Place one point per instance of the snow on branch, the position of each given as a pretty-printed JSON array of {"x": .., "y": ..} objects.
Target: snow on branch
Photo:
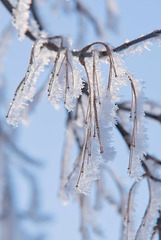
[{"x": 21, "y": 17}]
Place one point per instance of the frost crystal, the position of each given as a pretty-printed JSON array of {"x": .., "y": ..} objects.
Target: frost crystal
[
  {"x": 34, "y": 28},
  {"x": 91, "y": 170},
  {"x": 129, "y": 226},
  {"x": 101, "y": 118},
  {"x": 21, "y": 17},
  {"x": 152, "y": 212},
  {"x": 65, "y": 80},
  {"x": 139, "y": 143},
  {"x": 26, "y": 89}
]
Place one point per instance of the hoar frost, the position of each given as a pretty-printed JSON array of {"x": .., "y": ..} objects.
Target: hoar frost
[
  {"x": 139, "y": 144},
  {"x": 21, "y": 17},
  {"x": 101, "y": 110},
  {"x": 65, "y": 80},
  {"x": 101, "y": 118},
  {"x": 152, "y": 212},
  {"x": 26, "y": 89}
]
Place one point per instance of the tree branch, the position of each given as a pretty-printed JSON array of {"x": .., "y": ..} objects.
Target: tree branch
[
  {"x": 147, "y": 114},
  {"x": 51, "y": 46},
  {"x": 82, "y": 10},
  {"x": 10, "y": 8},
  {"x": 35, "y": 15}
]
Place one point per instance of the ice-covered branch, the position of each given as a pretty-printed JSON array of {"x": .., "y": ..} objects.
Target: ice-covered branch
[
  {"x": 152, "y": 110},
  {"x": 35, "y": 14},
  {"x": 152, "y": 211},
  {"x": 131, "y": 45},
  {"x": 20, "y": 14}
]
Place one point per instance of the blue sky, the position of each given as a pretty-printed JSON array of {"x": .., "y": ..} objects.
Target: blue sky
[{"x": 43, "y": 137}]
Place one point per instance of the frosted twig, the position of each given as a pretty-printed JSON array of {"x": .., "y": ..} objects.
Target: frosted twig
[
  {"x": 148, "y": 113},
  {"x": 55, "y": 64},
  {"x": 127, "y": 220},
  {"x": 21, "y": 13},
  {"x": 147, "y": 210},
  {"x": 34, "y": 12},
  {"x": 132, "y": 144},
  {"x": 151, "y": 216}
]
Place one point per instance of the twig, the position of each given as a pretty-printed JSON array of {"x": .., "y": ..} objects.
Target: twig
[
  {"x": 147, "y": 114},
  {"x": 18, "y": 151},
  {"x": 35, "y": 15},
  {"x": 84, "y": 11}
]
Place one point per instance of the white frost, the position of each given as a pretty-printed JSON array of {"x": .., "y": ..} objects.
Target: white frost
[
  {"x": 152, "y": 213},
  {"x": 139, "y": 148},
  {"x": 21, "y": 17},
  {"x": 26, "y": 90},
  {"x": 66, "y": 80}
]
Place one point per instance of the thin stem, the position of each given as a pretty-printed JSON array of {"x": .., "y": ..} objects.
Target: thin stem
[
  {"x": 146, "y": 212},
  {"x": 132, "y": 144}
]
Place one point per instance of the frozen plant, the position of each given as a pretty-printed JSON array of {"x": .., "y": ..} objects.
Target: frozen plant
[{"x": 89, "y": 82}]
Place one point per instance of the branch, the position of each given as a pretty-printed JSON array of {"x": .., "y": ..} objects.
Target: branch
[
  {"x": 8, "y": 5},
  {"x": 18, "y": 151},
  {"x": 127, "y": 138},
  {"x": 147, "y": 114},
  {"x": 148, "y": 173},
  {"x": 35, "y": 15},
  {"x": 10, "y": 8},
  {"x": 54, "y": 47},
  {"x": 80, "y": 8}
]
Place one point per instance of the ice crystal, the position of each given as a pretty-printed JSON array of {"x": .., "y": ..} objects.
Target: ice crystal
[
  {"x": 25, "y": 92},
  {"x": 66, "y": 80},
  {"x": 21, "y": 17},
  {"x": 152, "y": 212},
  {"x": 101, "y": 118},
  {"x": 139, "y": 143}
]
